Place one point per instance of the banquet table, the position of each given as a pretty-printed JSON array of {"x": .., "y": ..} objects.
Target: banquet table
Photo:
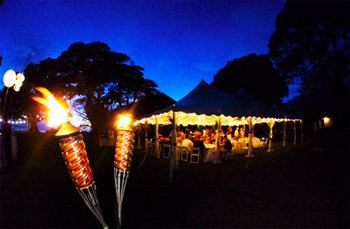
[
  {"x": 239, "y": 147},
  {"x": 210, "y": 153}
]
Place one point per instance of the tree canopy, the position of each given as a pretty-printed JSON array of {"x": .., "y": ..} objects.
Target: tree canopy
[
  {"x": 311, "y": 41},
  {"x": 94, "y": 78},
  {"x": 256, "y": 75}
]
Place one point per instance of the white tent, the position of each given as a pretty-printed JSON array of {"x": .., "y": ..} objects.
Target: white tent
[{"x": 207, "y": 105}]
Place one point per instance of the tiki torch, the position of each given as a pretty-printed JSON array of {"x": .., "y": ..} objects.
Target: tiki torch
[
  {"x": 72, "y": 145},
  {"x": 124, "y": 146}
]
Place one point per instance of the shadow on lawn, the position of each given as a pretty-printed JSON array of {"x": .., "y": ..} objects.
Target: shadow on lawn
[{"x": 291, "y": 187}]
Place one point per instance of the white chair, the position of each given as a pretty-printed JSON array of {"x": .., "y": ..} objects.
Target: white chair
[
  {"x": 153, "y": 150},
  {"x": 178, "y": 151},
  {"x": 195, "y": 154},
  {"x": 245, "y": 147},
  {"x": 263, "y": 143},
  {"x": 166, "y": 150},
  {"x": 184, "y": 153}
]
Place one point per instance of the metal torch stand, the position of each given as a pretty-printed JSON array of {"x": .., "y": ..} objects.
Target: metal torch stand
[
  {"x": 120, "y": 179},
  {"x": 89, "y": 196}
]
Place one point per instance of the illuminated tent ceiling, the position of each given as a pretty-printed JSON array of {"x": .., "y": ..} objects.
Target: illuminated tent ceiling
[{"x": 205, "y": 104}]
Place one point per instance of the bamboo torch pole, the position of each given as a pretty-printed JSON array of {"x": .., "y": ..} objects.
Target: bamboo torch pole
[{"x": 124, "y": 146}]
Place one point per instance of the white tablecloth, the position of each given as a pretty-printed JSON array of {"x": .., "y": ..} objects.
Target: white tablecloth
[
  {"x": 238, "y": 147},
  {"x": 210, "y": 154}
]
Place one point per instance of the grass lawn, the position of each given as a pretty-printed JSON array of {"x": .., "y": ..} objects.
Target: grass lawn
[{"x": 292, "y": 187}]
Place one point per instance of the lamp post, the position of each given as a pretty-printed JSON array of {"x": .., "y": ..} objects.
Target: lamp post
[{"x": 11, "y": 79}]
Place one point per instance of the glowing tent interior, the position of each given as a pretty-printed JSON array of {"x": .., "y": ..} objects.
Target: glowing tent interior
[{"x": 207, "y": 105}]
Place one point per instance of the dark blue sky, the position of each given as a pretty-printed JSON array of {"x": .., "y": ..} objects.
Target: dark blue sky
[{"x": 178, "y": 43}]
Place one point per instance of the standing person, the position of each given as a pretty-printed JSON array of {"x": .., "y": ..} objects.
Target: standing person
[
  {"x": 236, "y": 136},
  {"x": 229, "y": 131},
  {"x": 242, "y": 132},
  {"x": 6, "y": 133}
]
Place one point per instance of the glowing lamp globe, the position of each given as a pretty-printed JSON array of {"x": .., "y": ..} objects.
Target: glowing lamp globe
[
  {"x": 16, "y": 88},
  {"x": 18, "y": 83},
  {"x": 20, "y": 77},
  {"x": 9, "y": 78}
]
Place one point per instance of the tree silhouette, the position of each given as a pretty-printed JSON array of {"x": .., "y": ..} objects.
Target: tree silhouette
[
  {"x": 311, "y": 41},
  {"x": 94, "y": 78},
  {"x": 256, "y": 75}
]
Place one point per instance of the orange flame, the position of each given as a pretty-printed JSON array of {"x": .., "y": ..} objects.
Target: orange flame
[
  {"x": 124, "y": 122},
  {"x": 57, "y": 115}
]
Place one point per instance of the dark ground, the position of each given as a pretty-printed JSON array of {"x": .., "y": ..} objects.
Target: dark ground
[{"x": 295, "y": 188}]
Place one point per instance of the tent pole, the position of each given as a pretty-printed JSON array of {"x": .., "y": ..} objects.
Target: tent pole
[
  {"x": 157, "y": 138},
  {"x": 139, "y": 136},
  {"x": 284, "y": 132},
  {"x": 250, "y": 136},
  {"x": 146, "y": 139},
  {"x": 218, "y": 140},
  {"x": 301, "y": 133},
  {"x": 295, "y": 133},
  {"x": 271, "y": 124},
  {"x": 173, "y": 148},
  {"x": 146, "y": 148}
]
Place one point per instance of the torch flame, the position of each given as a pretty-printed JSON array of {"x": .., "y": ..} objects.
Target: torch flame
[
  {"x": 57, "y": 114},
  {"x": 124, "y": 122}
]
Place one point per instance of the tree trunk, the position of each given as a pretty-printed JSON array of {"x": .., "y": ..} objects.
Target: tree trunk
[{"x": 33, "y": 124}]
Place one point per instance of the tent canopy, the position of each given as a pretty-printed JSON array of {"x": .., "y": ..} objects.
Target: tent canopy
[{"x": 205, "y": 104}]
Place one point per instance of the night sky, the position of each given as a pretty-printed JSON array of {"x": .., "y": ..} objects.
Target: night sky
[{"x": 178, "y": 43}]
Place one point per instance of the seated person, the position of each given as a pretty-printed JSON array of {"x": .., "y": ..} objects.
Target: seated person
[
  {"x": 206, "y": 133},
  {"x": 179, "y": 138},
  {"x": 229, "y": 131},
  {"x": 198, "y": 143},
  {"x": 212, "y": 139},
  {"x": 242, "y": 132},
  {"x": 187, "y": 142},
  {"x": 226, "y": 145},
  {"x": 204, "y": 139}
]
